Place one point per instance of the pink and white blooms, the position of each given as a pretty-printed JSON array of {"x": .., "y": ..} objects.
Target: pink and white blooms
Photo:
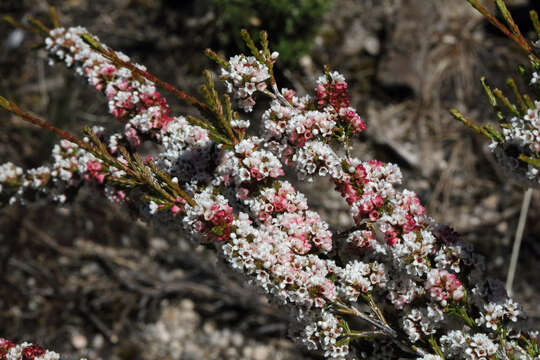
[
  {"x": 459, "y": 345},
  {"x": 132, "y": 100},
  {"x": 444, "y": 286},
  {"x": 244, "y": 76},
  {"x": 525, "y": 132},
  {"x": 9, "y": 174},
  {"x": 361, "y": 278},
  {"x": 326, "y": 331},
  {"x": 25, "y": 351},
  {"x": 395, "y": 277},
  {"x": 250, "y": 162},
  {"x": 493, "y": 314}
]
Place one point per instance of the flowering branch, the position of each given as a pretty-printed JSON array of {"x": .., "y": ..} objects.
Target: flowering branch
[
  {"x": 517, "y": 144},
  {"x": 396, "y": 278}
]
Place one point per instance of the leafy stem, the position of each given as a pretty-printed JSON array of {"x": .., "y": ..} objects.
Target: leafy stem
[
  {"x": 137, "y": 171},
  {"x": 512, "y": 31}
]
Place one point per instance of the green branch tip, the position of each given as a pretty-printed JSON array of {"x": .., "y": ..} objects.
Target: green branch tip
[
  {"x": 479, "y": 129},
  {"x": 54, "y": 17},
  {"x": 5, "y": 103},
  {"x": 492, "y": 99},
  {"x": 217, "y": 58},
  {"x": 535, "y": 21},
  {"x": 251, "y": 45},
  {"x": 10, "y": 20},
  {"x": 522, "y": 106},
  {"x": 92, "y": 42},
  {"x": 529, "y": 160},
  {"x": 503, "y": 9},
  {"x": 511, "y": 107},
  {"x": 39, "y": 26}
]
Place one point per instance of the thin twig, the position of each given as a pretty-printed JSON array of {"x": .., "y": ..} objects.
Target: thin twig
[{"x": 517, "y": 242}]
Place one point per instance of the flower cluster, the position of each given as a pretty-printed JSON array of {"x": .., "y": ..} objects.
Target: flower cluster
[
  {"x": 525, "y": 132},
  {"x": 132, "y": 100},
  {"x": 187, "y": 151},
  {"x": 421, "y": 323},
  {"x": 326, "y": 331},
  {"x": 494, "y": 314},
  {"x": 250, "y": 162},
  {"x": 9, "y": 174},
  {"x": 444, "y": 286},
  {"x": 535, "y": 78},
  {"x": 70, "y": 164},
  {"x": 332, "y": 90},
  {"x": 211, "y": 215},
  {"x": 24, "y": 351},
  {"x": 244, "y": 76},
  {"x": 360, "y": 278},
  {"x": 460, "y": 345}
]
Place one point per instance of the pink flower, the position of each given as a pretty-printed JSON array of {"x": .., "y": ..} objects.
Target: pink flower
[
  {"x": 94, "y": 169},
  {"x": 32, "y": 351},
  {"x": 5, "y": 345},
  {"x": 242, "y": 193},
  {"x": 176, "y": 210},
  {"x": 374, "y": 215},
  {"x": 443, "y": 285}
]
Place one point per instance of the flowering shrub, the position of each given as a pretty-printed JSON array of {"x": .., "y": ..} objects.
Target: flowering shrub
[{"x": 395, "y": 285}]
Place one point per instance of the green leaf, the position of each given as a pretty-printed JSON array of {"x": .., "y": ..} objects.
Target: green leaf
[
  {"x": 217, "y": 58},
  {"x": 5, "y": 103},
  {"x": 93, "y": 43},
  {"x": 535, "y": 21},
  {"x": 519, "y": 98},
  {"x": 251, "y": 45},
  {"x": 489, "y": 92},
  {"x": 530, "y": 160}
]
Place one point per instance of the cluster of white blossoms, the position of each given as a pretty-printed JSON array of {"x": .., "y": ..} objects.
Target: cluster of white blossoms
[
  {"x": 494, "y": 314},
  {"x": 9, "y": 174},
  {"x": 393, "y": 262},
  {"x": 316, "y": 158},
  {"x": 360, "y": 278},
  {"x": 525, "y": 132},
  {"x": 421, "y": 323},
  {"x": 249, "y": 162},
  {"x": 186, "y": 151},
  {"x": 244, "y": 76},
  {"x": 70, "y": 165},
  {"x": 326, "y": 331},
  {"x": 460, "y": 345}
]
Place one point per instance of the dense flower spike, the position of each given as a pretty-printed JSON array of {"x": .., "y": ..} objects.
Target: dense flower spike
[
  {"x": 395, "y": 276},
  {"x": 132, "y": 100}
]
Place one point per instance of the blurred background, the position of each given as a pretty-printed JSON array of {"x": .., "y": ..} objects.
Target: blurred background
[{"x": 89, "y": 279}]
